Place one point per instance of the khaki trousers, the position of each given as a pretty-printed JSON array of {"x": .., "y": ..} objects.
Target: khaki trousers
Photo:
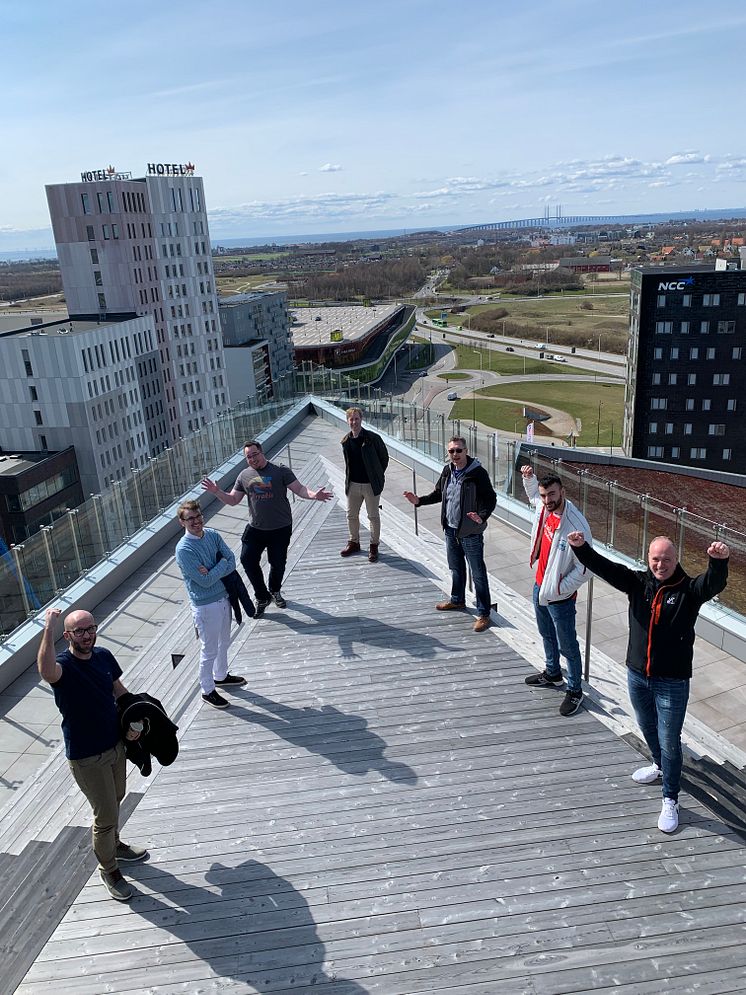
[
  {"x": 103, "y": 780},
  {"x": 355, "y": 497}
]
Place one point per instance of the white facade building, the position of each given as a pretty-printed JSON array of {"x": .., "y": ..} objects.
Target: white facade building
[
  {"x": 136, "y": 247},
  {"x": 95, "y": 386}
]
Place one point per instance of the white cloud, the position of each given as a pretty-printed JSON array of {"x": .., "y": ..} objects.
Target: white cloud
[
  {"x": 313, "y": 207},
  {"x": 686, "y": 158},
  {"x": 330, "y": 167}
]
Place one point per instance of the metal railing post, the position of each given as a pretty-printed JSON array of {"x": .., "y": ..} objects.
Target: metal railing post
[
  {"x": 45, "y": 530},
  {"x": 644, "y": 504},
  {"x": 414, "y": 491},
  {"x": 588, "y": 626},
  {"x": 614, "y": 489},
  {"x": 72, "y": 515},
  {"x": 16, "y": 551}
]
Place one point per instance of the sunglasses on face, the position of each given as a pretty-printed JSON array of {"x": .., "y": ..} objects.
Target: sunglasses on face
[{"x": 454, "y": 450}]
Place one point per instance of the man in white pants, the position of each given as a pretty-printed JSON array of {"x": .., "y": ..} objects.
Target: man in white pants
[{"x": 204, "y": 558}]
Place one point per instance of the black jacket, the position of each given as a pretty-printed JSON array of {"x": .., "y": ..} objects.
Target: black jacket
[
  {"x": 662, "y": 614},
  {"x": 157, "y": 738},
  {"x": 477, "y": 494},
  {"x": 375, "y": 458},
  {"x": 238, "y": 595}
]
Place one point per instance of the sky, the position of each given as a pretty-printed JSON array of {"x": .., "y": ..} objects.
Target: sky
[{"x": 311, "y": 118}]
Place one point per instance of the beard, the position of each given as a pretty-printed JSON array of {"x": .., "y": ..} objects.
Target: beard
[{"x": 81, "y": 649}]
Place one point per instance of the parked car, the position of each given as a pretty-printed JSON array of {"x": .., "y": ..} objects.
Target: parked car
[
  {"x": 509, "y": 348},
  {"x": 453, "y": 396}
]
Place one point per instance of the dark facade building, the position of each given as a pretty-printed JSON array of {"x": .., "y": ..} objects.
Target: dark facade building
[
  {"x": 686, "y": 376},
  {"x": 35, "y": 489}
]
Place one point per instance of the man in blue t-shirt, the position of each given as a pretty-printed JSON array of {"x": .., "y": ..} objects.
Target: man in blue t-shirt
[{"x": 86, "y": 682}]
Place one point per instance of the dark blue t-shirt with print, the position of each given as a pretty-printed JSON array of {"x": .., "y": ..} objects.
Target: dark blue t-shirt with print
[{"x": 84, "y": 694}]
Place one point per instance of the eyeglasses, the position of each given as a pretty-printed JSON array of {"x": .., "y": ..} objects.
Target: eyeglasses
[
  {"x": 253, "y": 455},
  {"x": 79, "y": 633},
  {"x": 194, "y": 518},
  {"x": 454, "y": 450}
]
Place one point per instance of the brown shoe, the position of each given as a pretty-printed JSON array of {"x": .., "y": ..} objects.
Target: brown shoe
[
  {"x": 373, "y": 552},
  {"x": 450, "y": 606},
  {"x": 482, "y": 623},
  {"x": 350, "y": 548}
]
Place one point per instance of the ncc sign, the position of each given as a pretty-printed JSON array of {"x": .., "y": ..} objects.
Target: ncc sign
[{"x": 676, "y": 284}]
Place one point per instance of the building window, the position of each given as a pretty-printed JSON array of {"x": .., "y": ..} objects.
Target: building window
[
  {"x": 726, "y": 327},
  {"x": 34, "y": 394},
  {"x": 89, "y": 233},
  {"x": 710, "y": 354},
  {"x": 38, "y": 418},
  {"x": 704, "y": 327},
  {"x": 727, "y": 454},
  {"x": 675, "y": 352},
  {"x": 706, "y": 403},
  {"x": 736, "y": 354},
  {"x": 655, "y": 452},
  {"x": 742, "y": 299},
  {"x": 102, "y": 302},
  {"x": 101, "y": 203},
  {"x": 86, "y": 200},
  {"x": 716, "y": 429},
  {"x": 684, "y": 328},
  {"x": 657, "y": 353},
  {"x": 661, "y": 301},
  {"x": 686, "y": 301},
  {"x": 94, "y": 256},
  {"x": 720, "y": 379},
  {"x": 669, "y": 428},
  {"x": 691, "y": 379},
  {"x": 656, "y": 379},
  {"x": 658, "y": 403},
  {"x": 115, "y": 231},
  {"x": 652, "y": 427},
  {"x": 732, "y": 404},
  {"x": 675, "y": 452},
  {"x": 663, "y": 327},
  {"x": 672, "y": 379},
  {"x": 45, "y": 447},
  {"x": 27, "y": 362},
  {"x": 97, "y": 278},
  {"x": 710, "y": 300},
  {"x": 697, "y": 452},
  {"x": 107, "y": 231},
  {"x": 694, "y": 353},
  {"x": 111, "y": 201},
  {"x": 687, "y": 428}
]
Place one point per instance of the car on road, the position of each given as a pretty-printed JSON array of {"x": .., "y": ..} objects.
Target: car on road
[
  {"x": 558, "y": 359},
  {"x": 452, "y": 396},
  {"x": 509, "y": 348},
  {"x": 424, "y": 373}
]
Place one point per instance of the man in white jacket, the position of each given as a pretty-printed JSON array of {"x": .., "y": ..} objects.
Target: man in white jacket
[{"x": 558, "y": 577}]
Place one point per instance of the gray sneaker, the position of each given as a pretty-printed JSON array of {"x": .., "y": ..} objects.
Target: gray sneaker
[{"x": 116, "y": 885}]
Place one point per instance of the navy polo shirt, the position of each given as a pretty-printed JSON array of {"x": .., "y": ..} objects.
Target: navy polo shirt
[{"x": 85, "y": 696}]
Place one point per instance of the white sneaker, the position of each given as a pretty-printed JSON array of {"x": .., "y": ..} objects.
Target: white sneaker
[
  {"x": 668, "y": 820},
  {"x": 646, "y": 775}
]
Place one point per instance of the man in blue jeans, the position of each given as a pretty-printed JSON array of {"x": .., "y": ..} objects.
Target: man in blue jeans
[
  {"x": 558, "y": 578},
  {"x": 467, "y": 499},
  {"x": 663, "y": 606}
]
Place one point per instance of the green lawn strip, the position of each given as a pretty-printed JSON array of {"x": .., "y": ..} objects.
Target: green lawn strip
[
  {"x": 454, "y": 376},
  {"x": 504, "y": 416},
  {"x": 581, "y": 400},
  {"x": 508, "y": 364}
]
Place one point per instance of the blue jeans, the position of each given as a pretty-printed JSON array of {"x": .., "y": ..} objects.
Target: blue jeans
[
  {"x": 660, "y": 706},
  {"x": 469, "y": 548},
  {"x": 556, "y": 624}
]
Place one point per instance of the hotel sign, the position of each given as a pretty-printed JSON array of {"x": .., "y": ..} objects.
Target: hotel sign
[
  {"x": 170, "y": 169},
  {"x": 89, "y": 175}
]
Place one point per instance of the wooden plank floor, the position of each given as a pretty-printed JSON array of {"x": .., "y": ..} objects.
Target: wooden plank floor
[{"x": 387, "y": 809}]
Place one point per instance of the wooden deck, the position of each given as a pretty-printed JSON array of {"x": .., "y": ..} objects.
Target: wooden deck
[{"x": 387, "y": 809}]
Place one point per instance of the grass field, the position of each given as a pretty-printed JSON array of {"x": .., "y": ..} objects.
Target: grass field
[
  {"x": 453, "y": 376},
  {"x": 241, "y": 284},
  {"x": 586, "y": 404},
  {"x": 508, "y": 364},
  {"x": 253, "y": 257}
]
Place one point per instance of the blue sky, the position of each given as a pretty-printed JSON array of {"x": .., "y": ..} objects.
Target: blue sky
[{"x": 339, "y": 117}]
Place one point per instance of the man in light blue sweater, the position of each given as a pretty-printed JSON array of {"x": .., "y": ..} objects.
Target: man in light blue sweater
[{"x": 203, "y": 558}]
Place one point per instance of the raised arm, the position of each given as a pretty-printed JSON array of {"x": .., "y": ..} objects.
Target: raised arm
[
  {"x": 616, "y": 574},
  {"x": 715, "y": 578},
  {"x": 49, "y": 670},
  {"x": 235, "y": 497},
  {"x": 302, "y": 491}
]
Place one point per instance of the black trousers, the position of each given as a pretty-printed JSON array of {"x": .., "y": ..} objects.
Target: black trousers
[{"x": 276, "y": 542}]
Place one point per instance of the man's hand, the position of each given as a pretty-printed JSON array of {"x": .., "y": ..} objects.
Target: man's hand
[
  {"x": 210, "y": 485},
  {"x": 132, "y": 735},
  {"x": 576, "y": 539},
  {"x": 412, "y": 498},
  {"x": 51, "y": 616},
  {"x": 474, "y": 517},
  {"x": 718, "y": 551},
  {"x": 527, "y": 471},
  {"x": 203, "y": 570},
  {"x": 320, "y": 495}
]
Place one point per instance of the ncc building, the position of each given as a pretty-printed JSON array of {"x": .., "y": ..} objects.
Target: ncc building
[{"x": 686, "y": 379}]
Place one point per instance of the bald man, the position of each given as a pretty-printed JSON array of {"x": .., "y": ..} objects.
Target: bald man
[
  {"x": 85, "y": 679},
  {"x": 664, "y": 603}
]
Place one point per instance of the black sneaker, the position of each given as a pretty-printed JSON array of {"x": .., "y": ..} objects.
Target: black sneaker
[
  {"x": 544, "y": 680},
  {"x": 261, "y": 604},
  {"x": 116, "y": 885},
  {"x": 131, "y": 853},
  {"x": 230, "y": 680},
  {"x": 215, "y": 699},
  {"x": 572, "y": 702},
  {"x": 279, "y": 600}
]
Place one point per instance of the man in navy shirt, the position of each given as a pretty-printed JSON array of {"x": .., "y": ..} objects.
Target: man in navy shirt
[{"x": 86, "y": 683}]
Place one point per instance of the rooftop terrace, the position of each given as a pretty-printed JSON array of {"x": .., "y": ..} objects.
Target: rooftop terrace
[{"x": 386, "y": 808}]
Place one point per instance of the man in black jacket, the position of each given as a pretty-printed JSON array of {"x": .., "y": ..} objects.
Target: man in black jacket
[
  {"x": 663, "y": 606},
  {"x": 366, "y": 459},
  {"x": 467, "y": 499}
]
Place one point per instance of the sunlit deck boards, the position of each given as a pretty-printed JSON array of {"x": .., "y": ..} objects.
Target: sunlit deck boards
[{"x": 387, "y": 809}]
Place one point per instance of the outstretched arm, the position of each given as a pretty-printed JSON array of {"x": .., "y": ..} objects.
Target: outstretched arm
[
  {"x": 715, "y": 578},
  {"x": 49, "y": 670},
  {"x": 302, "y": 491},
  {"x": 235, "y": 497},
  {"x": 616, "y": 574}
]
